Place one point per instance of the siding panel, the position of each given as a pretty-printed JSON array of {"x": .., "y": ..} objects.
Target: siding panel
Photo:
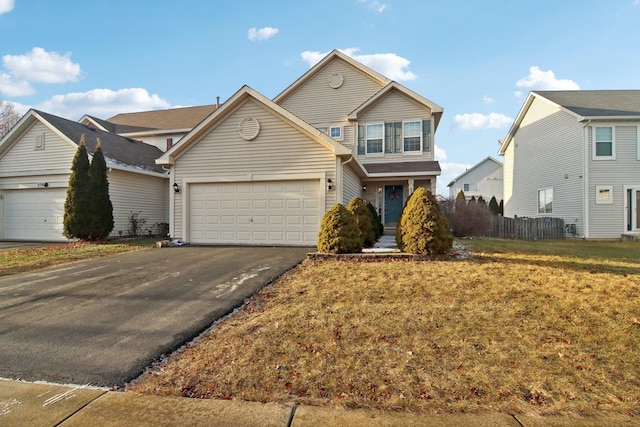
[{"x": 352, "y": 187}]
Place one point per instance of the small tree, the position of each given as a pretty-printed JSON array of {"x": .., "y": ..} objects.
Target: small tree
[
  {"x": 481, "y": 201},
  {"x": 100, "y": 207},
  {"x": 8, "y": 117},
  {"x": 493, "y": 206},
  {"x": 425, "y": 229},
  {"x": 339, "y": 232},
  {"x": 378, "y": 227},
  {"x": 359, "y": 210},
  {"x": 501, "y": 207},
  {"x": 76, "y": 221},
  {"x": 472, "y": 200}
]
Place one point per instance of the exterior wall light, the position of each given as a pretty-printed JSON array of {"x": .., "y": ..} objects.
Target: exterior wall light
[
  {"x": 329, "y": 184},
  {"x": 176, "y": 187},
  {"x": 364, "y": 187}
]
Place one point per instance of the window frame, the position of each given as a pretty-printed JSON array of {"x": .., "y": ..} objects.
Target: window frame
[
  {"x": 542, "y": 210},
  {"x": 609, "y": 199},
  {"x": 469, "y": 185},
  {"x": 367, "y": 139},
  {"x": 419, "y": 136},
  {"x": 331, "y": 129},
  {"x": 595, "y": 141}
]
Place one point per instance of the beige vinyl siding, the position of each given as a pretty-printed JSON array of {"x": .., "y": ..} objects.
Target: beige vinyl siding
[
  {"x": 608, "y": 220},
  {"x": 133, "y": 192},
  {"x": 395, "y": 107},
  {"x": 508, "y": 177},
  {"x": 159, "y": 141},
  {"x": 23, "y": 158},
  {"x": 279, "y": 150},
  {"x": 351, "y": 187},
  {"x": 487, "y": 178},
  {"x": 316, "y": 102},
  {"x": 546, "y": 147}
]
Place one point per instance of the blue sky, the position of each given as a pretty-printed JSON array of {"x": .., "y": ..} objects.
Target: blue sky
[{"x": 477, "y": 59}]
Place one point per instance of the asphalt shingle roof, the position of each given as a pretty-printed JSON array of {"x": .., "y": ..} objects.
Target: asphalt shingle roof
[
  {"x": 597, "y": 103},
  {"x": 174, "y": 118},
  {"x": 399, "y": 167},
  {"x": 116, "y": 149}
]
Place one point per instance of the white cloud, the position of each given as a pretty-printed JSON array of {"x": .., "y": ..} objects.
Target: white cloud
[
  {"x": 103, "y": 103},
  {"x": 6, "y": 6},
  {"x": 262, "y": 34},
  {"x": 439, "y": 153},
  {"x": 374, "y": 5},
  {"x": 390, "y": 65},
  {"x": 487, "y": 99},
  {"x": 10, "y": 86},
  {"x": 42, "y": 66},
  {"x": 544, "y": 80},
  {"x": 475, "y": 121}
]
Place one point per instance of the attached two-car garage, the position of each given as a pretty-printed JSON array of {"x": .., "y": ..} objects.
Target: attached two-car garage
[
  {"x": 262, "y": 213},
  {"x": 33, "y": 214}
]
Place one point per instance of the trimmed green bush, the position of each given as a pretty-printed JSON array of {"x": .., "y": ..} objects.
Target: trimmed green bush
[
  {"x": 378, "y": 227},
  {"x": 339, "y": 232},
  {"x": 399, "y": 225},
  {"x": 76, "y": 221},
  {"x": 425, "y": 229},
  {"x": 493, "y": 206},
  {"x": 100, "y": 207},
  {"x": 359, "y": 209}
]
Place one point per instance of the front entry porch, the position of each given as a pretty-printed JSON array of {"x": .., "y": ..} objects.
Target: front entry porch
[{"x": 389, "y": 196}]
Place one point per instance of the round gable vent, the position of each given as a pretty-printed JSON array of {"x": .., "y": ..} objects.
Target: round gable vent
[
  {"x": 336, "y": 80},
  {"x": 249, "y": 128}
]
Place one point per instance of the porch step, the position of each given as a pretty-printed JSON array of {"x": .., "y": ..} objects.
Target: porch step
[
  {"x": 631, "y": 237},
  {"x": 389, "y": 231}
]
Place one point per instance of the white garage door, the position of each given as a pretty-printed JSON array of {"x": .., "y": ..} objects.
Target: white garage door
[
  {"x": 34, "y": 214},
  {"x": 260, "y": 213}
]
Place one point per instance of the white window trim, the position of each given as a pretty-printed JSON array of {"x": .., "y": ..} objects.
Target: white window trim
[
  {"x": 419, "y": 151},
  {"x": 366, "y": 139},
  {"x": 613, "y": 143},
  {"x": 553, "y": 202},
  {"x": 340, "y": 137},
  {"x": 608, "y": 188}
]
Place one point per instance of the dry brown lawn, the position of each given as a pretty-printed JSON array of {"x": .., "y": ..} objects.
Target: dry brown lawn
[{"x": 509, "y": 329}]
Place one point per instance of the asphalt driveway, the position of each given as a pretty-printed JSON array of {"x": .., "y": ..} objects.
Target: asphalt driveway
[{"x": 102, "y": 322}]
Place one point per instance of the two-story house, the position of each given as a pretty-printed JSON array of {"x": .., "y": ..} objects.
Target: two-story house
[
  {"x": 576, "y": 155},
  {"x": 481, "y": 180},
  {"x": 260, "y": 171}
]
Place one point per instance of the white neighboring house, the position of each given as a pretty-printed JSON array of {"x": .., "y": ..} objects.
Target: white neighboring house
[
  {"x": 35, "y": 166},
  {"x": 484, "y": 179},
  {"x": 576, "y": 155}
]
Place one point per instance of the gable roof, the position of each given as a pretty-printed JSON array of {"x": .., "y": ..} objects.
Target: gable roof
[
  {"x": 584, "y": 105},
  {"x": 597, "y": 103},
  {"x": 110, "y": 127},
  {"x": 239, "y": 97},
  {"x": 436, "y": 110},
  {"x": 119, "y": 152},
  {"x": 382, "y": 80},
  {"x": 487, "y": 159},
  {"x": 169, "y": 119}
]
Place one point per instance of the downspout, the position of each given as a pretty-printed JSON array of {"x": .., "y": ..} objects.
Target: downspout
[{"x": 585, "y": 181}]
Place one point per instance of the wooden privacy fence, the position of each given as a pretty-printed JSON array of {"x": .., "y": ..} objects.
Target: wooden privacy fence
[{"x": 526, "y": 228}]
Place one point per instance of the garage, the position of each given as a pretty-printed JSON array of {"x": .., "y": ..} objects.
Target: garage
[
  {"x": 34, "y": 214},
  {"x": 255, "y": 213}
]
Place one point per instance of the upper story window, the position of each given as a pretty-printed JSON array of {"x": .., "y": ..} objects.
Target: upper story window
[
  {"x": 375, "y": 138},
  {"x": 335, "y": 132},
  {"x": 412, "y": 136},
  {"x": 545, "y": 201},
  {"x": 469, "y": 187},
  {"x": 604, "y": 147}
]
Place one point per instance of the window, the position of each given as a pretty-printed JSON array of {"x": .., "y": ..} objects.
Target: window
[
  {"x": 469, "y": 187},
  {"x": 335, "y": 132},
  {"x": 412, "y": 136},
  {"x": 603, "y": 143},
  {"x": 604, "y": 194},
  {"x": 375, "y": 133},
  {"x": 545, "y": 201}
]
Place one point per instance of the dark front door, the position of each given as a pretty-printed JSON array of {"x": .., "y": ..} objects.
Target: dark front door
[{"x": 392, "y": 204}]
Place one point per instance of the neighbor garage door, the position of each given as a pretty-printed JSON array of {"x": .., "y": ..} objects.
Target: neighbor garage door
[
  {"x": 262, "y": 213},
  {"x": 34, "y": 214}
]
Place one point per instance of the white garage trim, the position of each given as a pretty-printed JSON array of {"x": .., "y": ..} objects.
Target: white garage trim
[
  {"x": 33, "y": 214},
  {"x": 264, "y": 235}
]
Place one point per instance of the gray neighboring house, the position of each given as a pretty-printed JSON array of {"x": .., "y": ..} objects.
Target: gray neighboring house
[
  {"x": 576, "y": 155},
  {"x": 35, "y": 166},
  {"x": 484, "y": 179}
]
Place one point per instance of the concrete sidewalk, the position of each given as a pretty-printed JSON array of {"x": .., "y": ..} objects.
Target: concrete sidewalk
[{"x": 37, "y": 404}]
